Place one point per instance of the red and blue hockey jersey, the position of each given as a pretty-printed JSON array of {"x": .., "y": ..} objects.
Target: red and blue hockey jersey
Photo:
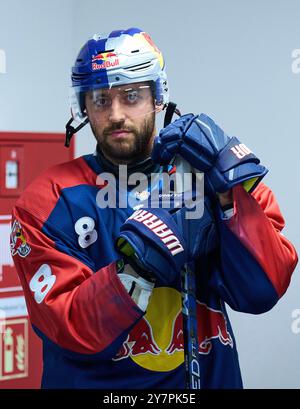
[{"x": 94, "y": 335}]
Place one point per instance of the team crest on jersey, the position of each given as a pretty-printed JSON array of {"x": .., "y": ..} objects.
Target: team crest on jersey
[{"x": 18, "y": 243}]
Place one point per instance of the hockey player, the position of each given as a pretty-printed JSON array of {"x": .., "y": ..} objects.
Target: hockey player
[{"x": 102, "y": 285}]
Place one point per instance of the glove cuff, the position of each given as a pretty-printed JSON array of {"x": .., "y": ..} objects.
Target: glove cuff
[{"x": 137, "y": 287}]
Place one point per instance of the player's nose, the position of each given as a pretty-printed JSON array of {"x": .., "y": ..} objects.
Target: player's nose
[{"x": 117, "y": 112}]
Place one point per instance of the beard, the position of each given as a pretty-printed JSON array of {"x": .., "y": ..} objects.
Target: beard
[{"x": 136, "y": 146}]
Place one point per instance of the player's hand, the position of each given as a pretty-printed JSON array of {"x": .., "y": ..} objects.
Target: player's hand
[
  {"x": 225, "y": 161},
  {"x": 153, "y": 243}
]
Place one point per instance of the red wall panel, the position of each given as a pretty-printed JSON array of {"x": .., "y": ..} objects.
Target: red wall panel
[{"x": 23, "y": 155}]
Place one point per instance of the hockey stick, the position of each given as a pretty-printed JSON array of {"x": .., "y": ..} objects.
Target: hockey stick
[
  {"x": 188, "y": 298},
  {"x": 188, "y": 292},
  {"x": 190, "y": 333}
]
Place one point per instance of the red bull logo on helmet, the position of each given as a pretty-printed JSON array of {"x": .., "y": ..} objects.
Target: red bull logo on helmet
[
  {"x": 156, "y": 342},
  {"x": 104, "y": 60},
  {"x": 145, "y": 38}
]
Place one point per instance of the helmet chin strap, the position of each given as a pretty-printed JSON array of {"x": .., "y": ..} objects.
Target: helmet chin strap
[
  {"x": 171, "y": 108},
  {"x": 71, "y": 130}
]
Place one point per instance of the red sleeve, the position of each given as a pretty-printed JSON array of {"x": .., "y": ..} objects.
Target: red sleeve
[
  {"x": 258, "y": 222},
  {"x": 78, "y": 309}
]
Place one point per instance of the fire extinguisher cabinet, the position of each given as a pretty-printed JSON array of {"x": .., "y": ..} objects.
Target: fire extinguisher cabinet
[{"x": 23, "y": 156}]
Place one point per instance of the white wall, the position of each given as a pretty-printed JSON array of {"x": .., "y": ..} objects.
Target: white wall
[
  {"x": 231, "y": 60},
  {"x": 36, "y": 38}
]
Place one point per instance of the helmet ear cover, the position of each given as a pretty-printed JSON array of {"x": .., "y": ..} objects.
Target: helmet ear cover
[
  {"x": 82, "y": 101},
  {"x": 153, "y": 91}
]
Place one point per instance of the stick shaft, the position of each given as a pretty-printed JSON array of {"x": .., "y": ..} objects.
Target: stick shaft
[{"x": 190, "y": 331}]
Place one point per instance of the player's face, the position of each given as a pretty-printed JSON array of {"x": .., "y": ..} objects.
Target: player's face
[{"x": 123, "y": 121}]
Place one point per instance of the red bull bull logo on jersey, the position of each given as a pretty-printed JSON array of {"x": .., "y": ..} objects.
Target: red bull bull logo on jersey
[
  {"x": 104, "y": 60},
  {"x": 157, "y": 342},
  {"x": 18, "y": 243},
  {"x": 143, "y": 344},
  {"x": 211, "y": 325}
]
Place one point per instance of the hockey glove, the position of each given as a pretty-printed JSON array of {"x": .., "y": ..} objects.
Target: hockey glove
[
  {"x": 225, "y": 161},
  {"x": 152, "y": 241}
]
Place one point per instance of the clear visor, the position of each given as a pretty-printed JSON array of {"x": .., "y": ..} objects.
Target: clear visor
[{"x": 117, "y": 103}]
